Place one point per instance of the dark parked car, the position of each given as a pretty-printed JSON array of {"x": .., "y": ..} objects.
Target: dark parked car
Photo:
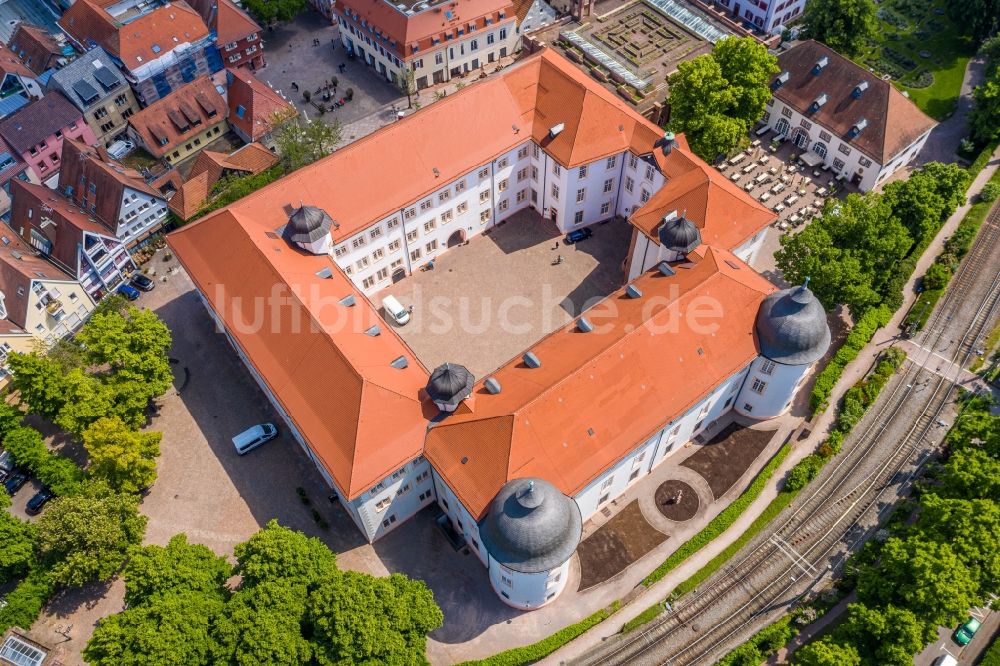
[
  {"x": 577, "y": 236},
  {"x": 141, "y": 282},
  {"x": 39, "y": 499},
  {"x": 15, "y": 481},
  {"x": 131, "y": 293}
]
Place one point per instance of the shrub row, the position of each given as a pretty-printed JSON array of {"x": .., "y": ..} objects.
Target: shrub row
[
  {"x": 721, "y": 522},
  {"x": 761, "y": 645},
  {"x": 546, "y": 646},
  {"x": 992, "y": 655},
  {"x": 25, "y": 602},
  {"x": 859, "y": 336},
  {"x": 56, "y": 471}
]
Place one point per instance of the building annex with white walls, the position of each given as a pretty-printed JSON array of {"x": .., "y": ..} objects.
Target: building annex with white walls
[{"x": 515, "y": 460}]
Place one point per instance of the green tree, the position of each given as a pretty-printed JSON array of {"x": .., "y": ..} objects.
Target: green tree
[
  {"x": 888, "y": 636},
  {"x": 843, "y": 25},
  {"x": 979, "y": 19},
  {"x": 971, "y": 528},
  {"x": 407, "y": 84},
  {"x": 133, "y": 345},
  {"x": 715, "y": 98},
  {"x": 170, "y": 629},
  {"x": 17, "y": 543},
  {"x": 360, "y": 619},
  {"x": 826, "y": 653},
  {"x": 124, "y": 458},
  {"x": 88, "y": 536},
  {"x": 178, "y": 567},
  {"x": 971, "y": 473},
  {"x": 10, "y": 418},
  {"x": 88, "y": 399},
  {"x": 984, "y": 119},
  {"x": 39, "y": 381},
  {"x": 926, "y": 577},
  {"x": 302, "y": 143},
  {"x": 276, "y": 553},
  {"x": 263, "y": 625},
  {"x": 269, "y": 11}
]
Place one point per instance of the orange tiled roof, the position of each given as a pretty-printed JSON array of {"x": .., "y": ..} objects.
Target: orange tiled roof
[
  {"x": 425, "y": 150},
  {"x": 419, "y": 28},
  {"x": 597, "y": 394},
  {"x": 726, "y": 216},
  {"x": 233, "y": 24},
  {"x": 363, "y": 418},
  {"x": 196, "y": 106},
  {"x": 259, "y": 101},
  {"x": 893, "y": 121},
  {"x": 209, "y": 167},
  {"x": 34, "y": 46}
]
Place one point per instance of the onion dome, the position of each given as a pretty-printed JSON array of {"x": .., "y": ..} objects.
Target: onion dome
[
  {"x": 450, "y": 384},
  {"x": 792, "y": 327},
  {"x": 531, "y": 527},
  {"x": 679, "y": 234},
  {"x": 308, "y": 224}
]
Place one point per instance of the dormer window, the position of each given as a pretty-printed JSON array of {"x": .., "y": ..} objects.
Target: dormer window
[
  {"x": 857, "y": 128},
  {"x": 859, "y": 90},
  {"x": 820, "y": 65},
  {"x": 781, "y": 80},
  {"x": 818, "y": 103}
]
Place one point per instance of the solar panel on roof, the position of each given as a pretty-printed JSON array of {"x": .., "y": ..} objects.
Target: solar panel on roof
[
  {"x": 86, "y": 92},
  {"x": 106, "y": 77}
]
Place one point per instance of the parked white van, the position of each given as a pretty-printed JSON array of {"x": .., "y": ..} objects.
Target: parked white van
[
  {"x": 251, "y": 438},
  {"x": 395, "y": 310}
]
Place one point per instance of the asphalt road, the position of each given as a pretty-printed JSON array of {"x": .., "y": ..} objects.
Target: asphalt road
[{"x": 965, "y": 655}]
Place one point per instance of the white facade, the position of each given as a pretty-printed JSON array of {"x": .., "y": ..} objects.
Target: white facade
[
  {"x": 769, "y": 388},
  {"x": 55, "y": 309},
  {"x": 139, "y": 213},
  {"x": 647, "y": 253},
  {"x": 469, "y": 51},
  {"x": 539, "y": 15},
  {"x": 838, "y": 155},
  {"x": 768, "y": 16}
]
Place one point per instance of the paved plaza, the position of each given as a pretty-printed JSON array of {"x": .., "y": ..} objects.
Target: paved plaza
[{"x": 488, "y": 301}]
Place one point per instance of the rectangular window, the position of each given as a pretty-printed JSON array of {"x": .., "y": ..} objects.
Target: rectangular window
[
  {"x": 535, "y": 150},
  {"x": 340, "y": 251},
  {"x": 534, "y": 174},
  {"x": 382, "y": 274},
  {"x": 522, "y": 174},
  {"x": 844, "y": 148},
  {"x": 459, "y": 186},
  {"x": 522, "y": 195},
  {"x": 605, "y": 208},
  {"x": 824, "y": 135},
  {"x": 394, "y": 245},
  {"x": 362, "y": 263},
  {"x": 864, "y": 161},
  {"x": 502, "y": 164},
  {"x": 612, "y": 161},
  {"x": 429, "y": 226},
  {"x": 522, "y": 152},
  {"x": 578, "y": 217},
  {"x": 758, "y": 386},
  {"x": 425, "y": 205},
  {"x": 838, "y": 164},
  {"x": 555, "y": 191},
  {"x": 805, "y": 124},
  {"x": 767, "y": 367},
  {"x": 375, "y": 233},
  {"x": 502, "y": 185},
  {"x": 785, "y": 111},
  {"x": 431, "y": 246},
  {"x": 358, "y": 242},
  {"x": 484, "y": 173},
  {"x": 412, "y": 236},
  {"x": 502, "y": 206},
  {"x": 447, "y": 216},
  {"x": 581, "y": 194},
  {"x": 609, "y": 185},
  {"x": 414, "y": 255},
  {"x": 378, "y": 254},
  {"x": 582, "y": 173},
  {"x": 462, "y": 207},
  {"x": 368, "y": 283},
  {"x": 556, "y": 169},
  {"x": 629, "y": 184},
  {"x": 444, "y": 196},
  {"x": 649, "y": 172},
  {"x": 409, "y": 213},
  {"x": 484, "y": 217},
  {"x": 392, "y": 224},
  {"x": 633, "y": 162},
  {"x": 644, "y": 195},
  {"x": 484, "y": 196},
  {"x": 607, "y": 482}
]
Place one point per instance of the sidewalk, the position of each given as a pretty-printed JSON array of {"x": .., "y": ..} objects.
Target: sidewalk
[
  {"x": 812, "y": 630},
  {"x": 820, "y": 427}
]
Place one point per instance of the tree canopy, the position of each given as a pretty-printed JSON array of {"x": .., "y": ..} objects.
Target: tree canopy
[
  {"x": 984, "y": 120},
  {"x": 126, "y": 459},
  {"x": 175, "y": 568},
  {"x": 717, "y": 97},
  {"x": 302, "y": 143},
  {"x": 826, "y": 653},
  {"x": 269, "y": 11},
  {"x": 980, "y": 19},
  {"x": 843, "y": 25},
  {"x": 87, "y": 536}
]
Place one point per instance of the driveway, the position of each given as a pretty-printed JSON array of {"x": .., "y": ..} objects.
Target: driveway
[{"x": 944, "y": 139}]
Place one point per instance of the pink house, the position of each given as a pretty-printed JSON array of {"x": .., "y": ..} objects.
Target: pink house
[{"x": 35, "y": 133}]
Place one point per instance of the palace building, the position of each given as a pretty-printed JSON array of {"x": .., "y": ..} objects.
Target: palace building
[{"x": 520, "y": 458}]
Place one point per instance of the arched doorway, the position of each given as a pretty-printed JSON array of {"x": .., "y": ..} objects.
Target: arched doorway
[
  {"x": 398, "y": 275},
  {"x": 800, "y": 138},
  {"x": 456, "y": 238}
]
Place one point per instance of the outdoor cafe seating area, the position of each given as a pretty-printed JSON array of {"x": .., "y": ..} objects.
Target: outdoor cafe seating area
[{"x": 795, "y": 189}]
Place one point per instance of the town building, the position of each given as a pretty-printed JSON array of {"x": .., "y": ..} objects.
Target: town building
[
  {"x": 236, "y": 34},
  {"x": 844, "y": 117},
  {"x": 95, "y": 85},
  {"x": 182, "y": 123},
  {"x": 36, "y": 132},
  {"x": 256, "y": 110},
  {"x": 70, "y": 238},
  {"x": 767, "y": 16},
  {"x": 16, "y": 78},
  {"x": 435, "y": 39},
  {"x": 117, "y": 196},
  {"x": 533, "y": 14},
  {"x": 209, "y": 168},
  {"x": 160, "y": 45},
  {"x": 39, "y": 49},
  {"x": 12, "y": 169},
  {"x": 516, "y": 460},
  {"x": 37, "y": 298}
]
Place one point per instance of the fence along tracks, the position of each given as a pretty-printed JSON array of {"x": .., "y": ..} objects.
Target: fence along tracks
[{"x": 731, "y": 604}]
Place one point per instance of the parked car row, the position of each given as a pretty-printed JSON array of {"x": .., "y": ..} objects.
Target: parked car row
[{"x": 14, "y": 478}]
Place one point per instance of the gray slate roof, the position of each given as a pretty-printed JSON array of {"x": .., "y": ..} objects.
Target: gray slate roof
[
  {"x": 307, "y": 224},
  {"x": 792, "y": 327},
  {"x": 531, "y": 527},
  {"x": 680, "y": 235},
  {"x": 450, "y": 383},
  {"x": 85, "y": 69},
  {"x": 37, "y": 121}
]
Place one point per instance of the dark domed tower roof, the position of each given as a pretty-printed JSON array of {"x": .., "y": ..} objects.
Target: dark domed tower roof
[
  {"x": 450, "y": 384},
  {"x": 531, "y": 527},
  {"x": 792, "y": 327},
  {"x": 308, "y": 224},
  {"x": 680, "y": 235}
]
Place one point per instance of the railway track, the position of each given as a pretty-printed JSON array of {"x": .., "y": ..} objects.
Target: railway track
[{"x": 807, "y": 539}]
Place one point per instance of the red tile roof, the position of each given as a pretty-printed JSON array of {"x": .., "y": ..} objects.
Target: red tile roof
[
  {"x": 195, "y": 106},
  {"x": 35, "y": 47},
  {"x": 595, "y": 395},
  {"x": 363, "y": 418},
  {"x": 894, "y": 122},
  {"x": 260, "y": 103},
  {"x": 726, "y": 216},
  {"x": 209, "y": 167},
  {"x": 230, "y": 23}
]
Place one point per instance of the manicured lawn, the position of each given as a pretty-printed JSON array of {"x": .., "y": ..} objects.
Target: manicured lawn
[{"x": 919, "y": 47}]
